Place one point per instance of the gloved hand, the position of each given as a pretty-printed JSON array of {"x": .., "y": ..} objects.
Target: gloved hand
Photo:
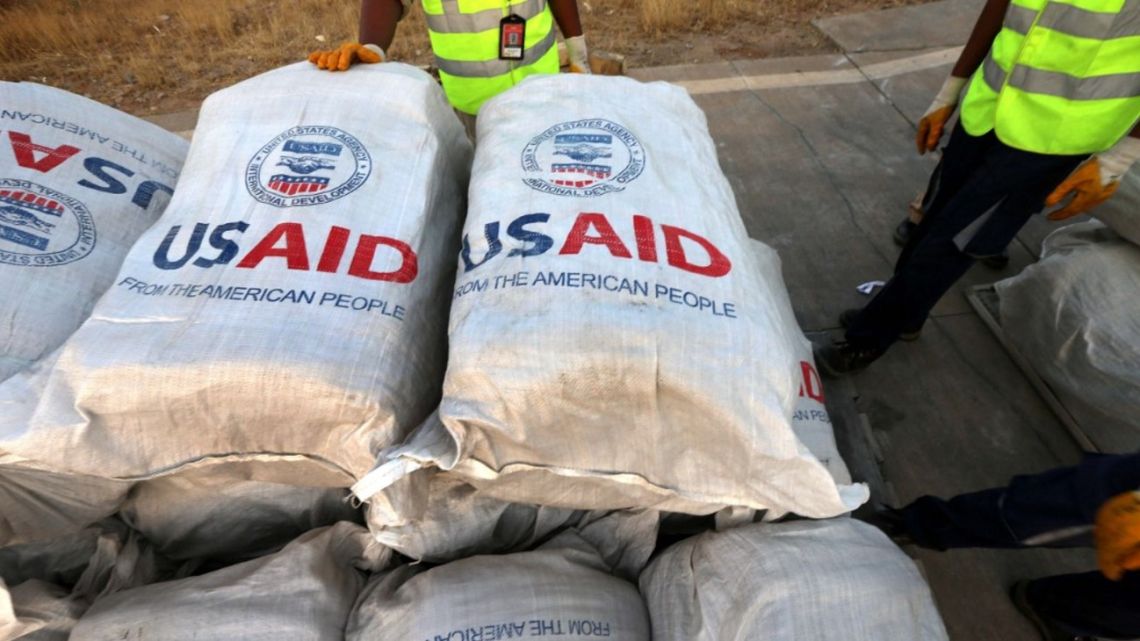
[
  {"x": 1117, "y": 534},
  {"x": 1095, "y": 181},
  {"x": 342, "y": 57},
  {"x": 934, "y": 120},
  {"x": 578, "y": 55}
]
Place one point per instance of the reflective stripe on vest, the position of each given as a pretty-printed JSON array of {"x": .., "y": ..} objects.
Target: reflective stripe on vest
[
  {"x": 1061, "y": 77},
  {"x": 465, "y": 39}
]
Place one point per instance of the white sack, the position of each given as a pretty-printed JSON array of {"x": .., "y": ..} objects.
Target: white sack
[
  {"x": 301, "y": 331},
  {"x": 562, "y": 589},
  {"x": 649, "y": 369},
  {"x": 794, "y": 581},
  {"x": 79, "y": 182},
  {"x": 304, "y": 592},
  {"x": 46, "y": 586},
  {"x": 206, "y": 514},
  {"x": 1075, "y": 315},
  {"x": 1122, "y": 211}
]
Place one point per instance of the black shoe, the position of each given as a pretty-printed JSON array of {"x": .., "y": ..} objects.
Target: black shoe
[
  {"x": 903, "y": 232},
  {"x": 891, "y": 522},
  {"x": 848, "y": 317},
  {"x": 997, "y": 261},
  {"x": 840, "y": 358},
  {"x": 1049, "y": 630}
]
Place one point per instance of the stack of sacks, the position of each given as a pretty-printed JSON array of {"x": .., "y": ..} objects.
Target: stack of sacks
[
  {"x": 79, "y": 182},
  {"x": 305, "y": 592},
  {"x": 614, "y": 341},
  {"x": 285, "y": 318},
  {"x": 565, "y": 588},
  {"x": 46, "y": 586},
  {"x": 796, "y": 581},
  {"x": 1075, "y": 316}
]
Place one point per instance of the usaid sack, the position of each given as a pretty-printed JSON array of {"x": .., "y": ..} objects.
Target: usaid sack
[
  {"x": 206, "y": 513},
  {"x": 613, "y": 341},
  {"x": 289, "y": 307},
  {"x": 562, "y": 589},
  {"x": 1075, "y": 316},
  {"x": 795, "y": 581},
  {"x": 303, "y": 593},
  {"x": 79, "y": 182}
]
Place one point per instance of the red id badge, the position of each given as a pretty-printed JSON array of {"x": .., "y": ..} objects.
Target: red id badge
[{"x": 512, "y": 36}]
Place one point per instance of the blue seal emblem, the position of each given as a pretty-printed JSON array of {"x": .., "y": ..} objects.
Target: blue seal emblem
[
  {"x": 41, "y": 227},
  {"x": 587, "y": 157},
  {"x": 307, "y": 165}
]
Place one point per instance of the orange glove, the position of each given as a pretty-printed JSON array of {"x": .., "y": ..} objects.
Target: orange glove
[
  {"x": 933, "y": 122},
  {"x": 1095, "y": 181},
  {"x": 1117, "y": 534},
  {"x": 344, "y": 56}
]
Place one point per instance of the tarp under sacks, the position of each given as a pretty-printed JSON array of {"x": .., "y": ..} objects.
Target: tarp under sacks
[
  {"x": 614, "y": 342},
  {"x": 1075, "y": 316},
  {"x": 79, "y": 182},
  {"x": 793, "y": 581},
  {"x": 305, "y": 592},
  {"x": 565, "y": 588},
  {"x": 288, "y": 311}
]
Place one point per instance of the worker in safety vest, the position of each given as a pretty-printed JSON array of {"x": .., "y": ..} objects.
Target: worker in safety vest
[
  {"x": 1094, "y": 503},
  {"x": 1050, "y": 98},
  {"x": 482, "y": 47}
]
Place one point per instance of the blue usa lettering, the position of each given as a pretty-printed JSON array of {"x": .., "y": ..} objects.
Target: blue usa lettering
[{"x": 105, "y": 176}]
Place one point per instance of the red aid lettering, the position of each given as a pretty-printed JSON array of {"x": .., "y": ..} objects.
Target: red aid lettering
[
  {"x": 812, "y": 387},
  {"x": 361, "y": 266},
  {"x": 646, "y": 244},
  {"x": 718, "y": 266},
  {"x": 294, "y": 253},
  {"x": 606, "y": 235},
  {"x": 334, "y": 250},
  {"x": 25, "y": 151}
]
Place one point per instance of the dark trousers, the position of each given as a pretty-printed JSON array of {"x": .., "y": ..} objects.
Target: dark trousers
[
  {"x": 1053, "y": 509},
  {"x": 980, "y": 195}
]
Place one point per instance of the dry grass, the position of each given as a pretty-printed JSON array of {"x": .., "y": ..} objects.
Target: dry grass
[{"x": 163, "y": 55}]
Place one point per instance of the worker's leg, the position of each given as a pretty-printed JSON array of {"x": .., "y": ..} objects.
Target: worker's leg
[
  {"x": 1051, "y": 509},
  {"x": 978, "y": 219},
  {"x": 1089, "y": 604}
]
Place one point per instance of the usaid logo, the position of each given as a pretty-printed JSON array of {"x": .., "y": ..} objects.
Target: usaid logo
[
  {"x": 42, "y": 227},
  {"x": 308, "y": 165},
  {"x": 583, "y": 158}
]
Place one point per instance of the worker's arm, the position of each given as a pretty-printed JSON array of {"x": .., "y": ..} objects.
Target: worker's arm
[
  {"x": 378, "y": 20},
  {"x": 933, "y": 122},
  {"x": 981, "y": 38},
  {"x": 566, "y": 15}
]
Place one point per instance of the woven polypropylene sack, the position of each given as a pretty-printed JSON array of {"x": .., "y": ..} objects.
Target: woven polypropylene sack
[
  {"x": 797, "y": 581},
  {"x": 289, "y": 307},
  {"x": 613, "y": 341},
  {"x": 1075, "y": 316},
  {"x": 562, "y": 589},
  {"x": 227, "y": 516},
  {"x": 79, "y": 182},
  {"x": 304, "y": 592},
  {"x": 1122, "y": 211}
]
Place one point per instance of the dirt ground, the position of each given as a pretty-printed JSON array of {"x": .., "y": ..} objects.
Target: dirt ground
[{"x": 159, "y": 56}]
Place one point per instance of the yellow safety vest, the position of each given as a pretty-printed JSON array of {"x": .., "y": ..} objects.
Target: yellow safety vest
[
  {"x": 1062, "y": 77},
  {"x": 465, "y": 38}
]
